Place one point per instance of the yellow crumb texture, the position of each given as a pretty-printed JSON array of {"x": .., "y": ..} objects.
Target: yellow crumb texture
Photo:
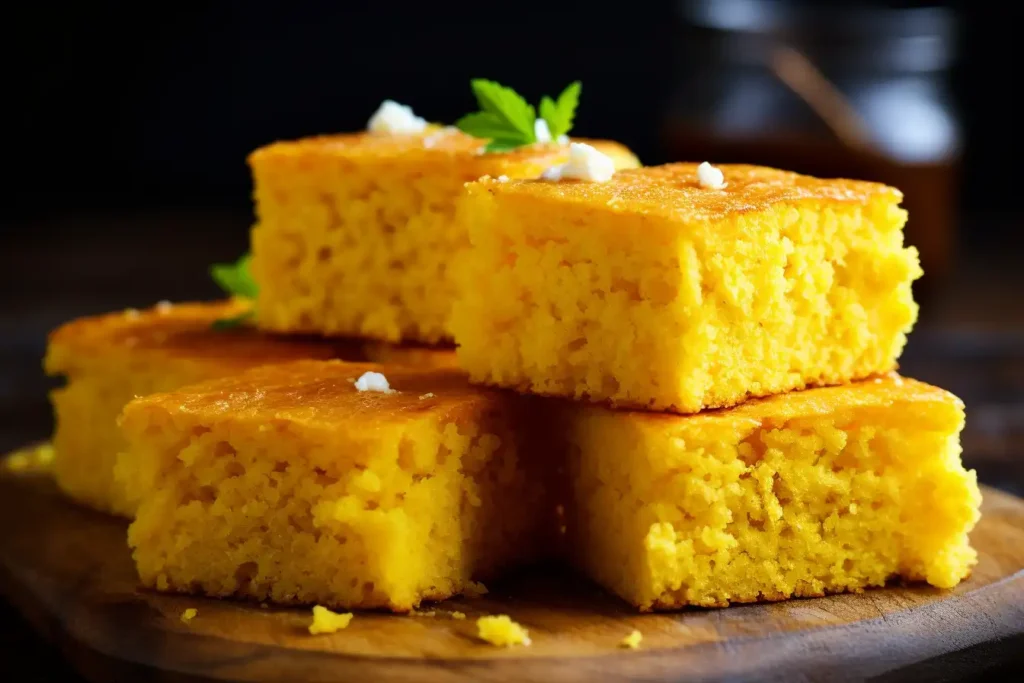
[
  {"x": 632, "y": 641},
  {"x": 500, "y": 630},
  {"x": 287, "y": 484},
  {"x": 459, "y": 616},
  {"x": 827, "y": 490},
  {"x": 355, "y": 232},
  {"x": 189, "y": 614},
  {"x": 326, "y": 621},
  {"x": 109, "y": 359},
  {"x": 649, "y": 291}
]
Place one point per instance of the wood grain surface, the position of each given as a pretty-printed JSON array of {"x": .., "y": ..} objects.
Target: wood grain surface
[{"x": 69, "y": 572}]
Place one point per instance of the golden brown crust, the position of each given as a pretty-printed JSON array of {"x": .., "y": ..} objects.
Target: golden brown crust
[
  {"x": 435, "y": 144},
  {"x": 319, "y": 393},
  {"x": 672, "y": 191},
  {"x": 809, "y": 400},
  {"x": 182, "y": 331}
]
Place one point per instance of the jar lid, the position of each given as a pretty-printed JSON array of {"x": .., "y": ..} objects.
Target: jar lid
[{"x": 914, "y": 37}]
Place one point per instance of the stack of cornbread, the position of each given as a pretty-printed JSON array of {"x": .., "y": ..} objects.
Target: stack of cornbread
[{"x": 680, "y": 379}]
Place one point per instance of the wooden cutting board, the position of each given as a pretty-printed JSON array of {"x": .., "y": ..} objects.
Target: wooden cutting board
[{"x": 69, "y": 571}]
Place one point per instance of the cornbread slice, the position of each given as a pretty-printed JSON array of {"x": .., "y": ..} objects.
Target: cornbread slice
[
  {"x": 650, "y": 291},
  {"x": 825, "y": 490},
  {"x": 286, "y": 483},
  {"x": 355, "y": 232},
  {"x": 110, "y": 359}
]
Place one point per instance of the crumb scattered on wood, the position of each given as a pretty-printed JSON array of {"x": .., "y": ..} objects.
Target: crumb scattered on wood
[
  {"x": 500, "y": 630},
  {"x": 35, "y": 458},
  {"x": 326, "y": 621},
  {"x": 632, "y": 641},
  {"x": 189, "y": 614}
]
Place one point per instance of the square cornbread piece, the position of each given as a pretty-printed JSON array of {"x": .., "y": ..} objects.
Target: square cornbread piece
[
  {"x": 354, "y": 232},
  {"x": 650, "y": 291},
  {"x": 813, "y": 492},
  {"x": 108, "y": 360},
  {"x": 288, "y": 483}
]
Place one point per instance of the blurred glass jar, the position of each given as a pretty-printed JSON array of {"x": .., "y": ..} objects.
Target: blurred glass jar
[{"x": 890, "y": 69}]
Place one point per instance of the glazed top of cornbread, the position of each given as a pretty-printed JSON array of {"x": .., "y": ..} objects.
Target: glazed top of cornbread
[
  {"x": 436, "y": 143},
  {"x": 320, "y": 394},
  {"x": 672, "y": 191},
  {"x": 878, "y": 392},
  {"x": 180, "y": 331}
]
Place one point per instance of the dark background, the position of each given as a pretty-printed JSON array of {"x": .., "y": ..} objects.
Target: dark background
[
  {"x": 127, "y": 127},
  {"x": 143, "y": 105}
]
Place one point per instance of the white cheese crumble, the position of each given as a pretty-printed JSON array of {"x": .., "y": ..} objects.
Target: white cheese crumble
[
  {"x": 394, "y": 118},
  {"x": 373, "y": 381},
  {"x": 542, "y": 132},
  {"x": 710, "y": 177},
  {"x": 503, "y": 179},
  {"x": 585, "y": 163}
]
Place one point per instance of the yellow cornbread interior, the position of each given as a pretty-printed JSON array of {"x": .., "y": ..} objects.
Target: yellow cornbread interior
[
  {"x": 110, "y": 359},
  {"x": 87, "y": 441},
  {"x": 355, "y": 233},
  {"x": 287, "y": 484},
  {"x": 651, "y": 292},
  {"x": 828, "y": 490}
]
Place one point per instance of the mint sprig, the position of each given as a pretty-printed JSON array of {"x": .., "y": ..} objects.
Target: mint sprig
[
  {"x": 236, "y": 280},
  {"x": 560, "y": 114},
  {"x": 507, "y": 121}
]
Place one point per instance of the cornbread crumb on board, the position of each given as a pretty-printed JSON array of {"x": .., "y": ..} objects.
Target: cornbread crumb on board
[
  {"x": 458, "y": 615},
  {"x": 632, "y": 641},
  {"x": 651, "y": 292},
  {"x": 355, "y": 232},
  {"x": 38, "y": 458},
  {"x": 189, "y": 614},
  {"x": 500, "y": 630},
  {"x": 326, "y": 621},
  {"x": 350, "y": 500}
]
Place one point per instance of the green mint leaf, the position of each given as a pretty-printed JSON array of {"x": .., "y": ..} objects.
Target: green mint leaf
[
  {"x": 234, "y": 322},
  {"x": 505, "y": 118},
  {"x": 502, "y": 145},
  {"x": 484, "y": 124},
  {"x": 559, "y": 115},
  {"x": 549, "y": 112},
  {"x": 506, "y": 104},
  {"x": 235, "y": 278}
]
